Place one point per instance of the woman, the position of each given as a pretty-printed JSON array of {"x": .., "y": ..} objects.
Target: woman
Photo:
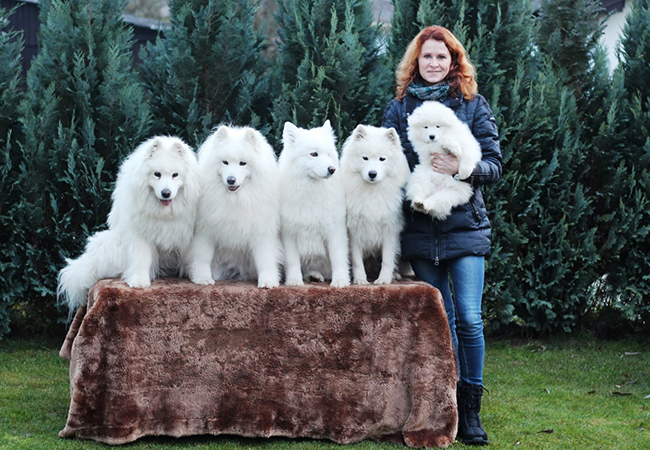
[{"x": 450, "y": 253}]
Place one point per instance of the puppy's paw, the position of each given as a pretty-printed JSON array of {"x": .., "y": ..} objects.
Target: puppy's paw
[
  {"x": 440, "y": 214},
  {"x": 429, "y": 206},
  {"x": 419, "y": 206}
]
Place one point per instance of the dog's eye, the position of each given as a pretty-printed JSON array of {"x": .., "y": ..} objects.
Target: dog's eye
[
  {"x": 174, "y": 175},
  {"x": 426, "y": 127},
  {"x": 365, "y": 158},
  {"x": 314, "y": 154},
  {"x": 437, "y": 126},
  {"x": 242, "y": 163},
  {"x": 225, "y": 163},
  {"x": 382, "y": 159},
  {"x": 156, "y": 174}
]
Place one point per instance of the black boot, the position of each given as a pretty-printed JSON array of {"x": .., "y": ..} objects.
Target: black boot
[{"x": 470, "y": 429}]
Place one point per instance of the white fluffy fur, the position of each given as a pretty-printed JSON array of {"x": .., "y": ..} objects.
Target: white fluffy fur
[
  {"x": 312, "y": 207},
  {"x": 434, "y": 128},
  {"x": 374, "y": 170},
  {"x": 150, "y": 223},
  {"x": 238, "y": 221}
]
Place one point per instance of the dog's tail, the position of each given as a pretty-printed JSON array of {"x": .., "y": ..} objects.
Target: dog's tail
[
  {"x": 75, "y": 280},
  {"x": 98, "y": 261}
]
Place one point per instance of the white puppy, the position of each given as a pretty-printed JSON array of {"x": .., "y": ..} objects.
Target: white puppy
[
  {"x": 374, "y": 170},
  {"x": 312, "y": 207},
  {"x": 434, "y": 129},
  {"x": 238, "y": 223},
  {"x": 150, "y": 223}
]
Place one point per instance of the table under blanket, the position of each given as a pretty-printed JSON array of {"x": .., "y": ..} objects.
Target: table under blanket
[{"x": 344, "y": 364}]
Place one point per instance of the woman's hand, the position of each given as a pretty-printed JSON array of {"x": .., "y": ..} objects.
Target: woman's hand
[{"x": 445, "y": 163}]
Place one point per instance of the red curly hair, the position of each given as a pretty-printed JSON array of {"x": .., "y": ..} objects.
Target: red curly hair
[{"x": 461, "y": 74}]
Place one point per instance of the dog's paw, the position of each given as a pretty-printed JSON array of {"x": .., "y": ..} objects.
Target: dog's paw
[
  {"x": 294, "y": 282},
  {"x": 315, "y": 276},
  {"x": 381, "y": 281},
  {"x": 440, "y": 214},
  {"x": 138, "y": 282},
  {"x": 267, "y": 283},
  {"x": 361, "y": 281},
  {"x": 202, "y": 281},
  {"x": 340, "y": 283},
  {"x": 452, "y": 147},
  {"x": 419, "y": 206}
]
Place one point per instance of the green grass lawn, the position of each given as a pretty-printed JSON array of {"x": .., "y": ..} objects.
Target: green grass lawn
[{"x": 561, "y": 393}]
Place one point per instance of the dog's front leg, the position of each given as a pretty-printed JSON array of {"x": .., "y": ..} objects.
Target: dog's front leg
[
  {"x": 293, "y": 272},
  {"x": 199, "y": 260},
  {"x": 358, "y": 269},
  {"x": 337, "y": 244},
  {"x": 267, "y": 259},
  {"x": 388, "y": 259},
  {"x": 140, "y": 270}
]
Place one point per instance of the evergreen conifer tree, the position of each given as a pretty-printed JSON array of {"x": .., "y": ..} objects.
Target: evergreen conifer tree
[
  {"x": 568, "y": 34},
  {"x": 330, "y": 66},
  {"x": 207, "y": 69},
  {"x": 553, "y": 237},
  {"x": 11, "y": 45},
  {"x": 626, "y": 143},
  {"x": 544, "y": 253},
  {"x": 81, "y": 115}
]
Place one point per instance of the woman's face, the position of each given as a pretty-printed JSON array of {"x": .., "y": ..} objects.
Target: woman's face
[{"x": 434, "y": 61}]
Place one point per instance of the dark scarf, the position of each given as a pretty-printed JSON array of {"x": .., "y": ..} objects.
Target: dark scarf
[{"x": 438, "y": 92}]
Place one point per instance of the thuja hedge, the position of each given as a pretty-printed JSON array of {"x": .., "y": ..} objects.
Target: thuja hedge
[{"x": 571, "y": 215}]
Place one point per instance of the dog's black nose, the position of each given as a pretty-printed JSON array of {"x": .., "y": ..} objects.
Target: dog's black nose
[
  {"x": 372, "y": 174},
  {"x": 432, "y": 137},
  {"x": 166, "y": 193},
  {"x": 331, "y": 170},
  {"x": 231, "y": 180}
]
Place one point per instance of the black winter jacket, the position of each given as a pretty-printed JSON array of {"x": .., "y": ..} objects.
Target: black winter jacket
[{"x": 467, "y": 230}]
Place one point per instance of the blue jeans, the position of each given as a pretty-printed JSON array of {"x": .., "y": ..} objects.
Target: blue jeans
[{"x": 463, "y": 308}]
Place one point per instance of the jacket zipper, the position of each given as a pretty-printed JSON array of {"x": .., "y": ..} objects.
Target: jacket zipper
[{"x": 436, "y": 231}]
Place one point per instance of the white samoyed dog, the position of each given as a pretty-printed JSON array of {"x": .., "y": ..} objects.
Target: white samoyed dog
[
  {"x": 150, "y": 224},
  {"x": 312, "y": 207},
  {"x": 237, "y": 232},
  {"x": 434, "y": 128},
  {"x": 374, "y": 169}
]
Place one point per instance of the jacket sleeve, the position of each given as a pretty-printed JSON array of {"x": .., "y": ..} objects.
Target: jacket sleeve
[{"x": 484, "y": 129}]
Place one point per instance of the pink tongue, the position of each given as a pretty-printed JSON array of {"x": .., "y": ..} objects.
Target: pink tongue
[{"x": 166, "y": 202}]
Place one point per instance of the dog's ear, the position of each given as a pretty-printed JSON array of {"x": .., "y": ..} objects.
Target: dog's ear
[
  {"x": 252, "y": 138},
  {"x": 289, "y": 133},
  {"x": 327, "y": 127},
  {"x": 221, "y": 133},
  {"x": 179, "y": 146},
  {"x": 154, "y": 146},
  {"x": 392, "y": 136},
  {"x": 360, "y": 132}
]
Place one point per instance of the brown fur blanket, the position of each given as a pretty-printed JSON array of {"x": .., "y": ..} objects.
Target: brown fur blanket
[{"x": 345, "y": 364}]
